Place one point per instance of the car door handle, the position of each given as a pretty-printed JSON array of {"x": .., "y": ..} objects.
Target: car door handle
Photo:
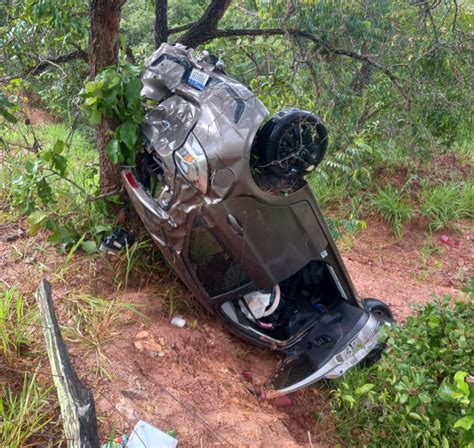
[{"x": 235, "y": 225}]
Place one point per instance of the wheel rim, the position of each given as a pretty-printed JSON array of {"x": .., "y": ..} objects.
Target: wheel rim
[{"x": 300, "y": 147}]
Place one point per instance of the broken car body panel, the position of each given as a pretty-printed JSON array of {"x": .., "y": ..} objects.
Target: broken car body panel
[{"x": 227, "y": 238}]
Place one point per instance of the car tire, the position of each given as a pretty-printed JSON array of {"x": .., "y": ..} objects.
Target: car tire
[
  {"x": 379, "y": 309},
  {"x": 292, "y": 143},
  {"x": 383, "y": 312}
]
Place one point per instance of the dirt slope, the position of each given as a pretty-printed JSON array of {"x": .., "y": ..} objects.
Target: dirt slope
[{"x": 190, "y": 379}]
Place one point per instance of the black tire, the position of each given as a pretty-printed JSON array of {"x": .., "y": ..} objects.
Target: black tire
[
  {"x": 379, "y": 309},
  {"x": 292, "y": 143},
  {"x": 383, "y": 312}
]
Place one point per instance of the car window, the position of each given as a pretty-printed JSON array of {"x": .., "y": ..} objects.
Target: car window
[{"x": 215, "y": 268}]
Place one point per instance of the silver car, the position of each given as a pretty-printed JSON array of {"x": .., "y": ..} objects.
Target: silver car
[{"x": 222, "y": 193}]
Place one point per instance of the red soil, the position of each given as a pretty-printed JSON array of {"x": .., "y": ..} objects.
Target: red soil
[{"x": 190, "y": 379}]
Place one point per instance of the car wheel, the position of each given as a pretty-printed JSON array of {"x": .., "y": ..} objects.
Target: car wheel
[
  {"x": 292, "y": 143},
  {"x": 383, "y": 312},
  {"x": 379, "y": 309}
]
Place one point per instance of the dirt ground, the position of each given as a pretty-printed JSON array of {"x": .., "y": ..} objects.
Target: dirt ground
[{"x": 190, "y": 379}]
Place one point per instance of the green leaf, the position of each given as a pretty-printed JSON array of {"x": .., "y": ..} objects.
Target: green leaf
[
  {"x": 58, "y": 146},
  {"x": 466, "y": 422},
  {"x": 113, "y": 152},
  {"x": 44, "y": 192},
  {"x": 89, "y": 246},
  {"x": 415, "y": 416},
  {"x": 95, "y": 116},
  {"x": 364, "y": 389},
  {"x": 349, "y": 398},
  {"x": 461, "y": 383},
  {"x": 35, "y": 221},
  {"x": 101, "y": 228},
  {"x": 128, "y": 133},
  {"x": 94, "y": 87},
  {"x": 60, "y": 163},
  {"x": 132, "y": 91},
  {"x": 7, "y": 115}
]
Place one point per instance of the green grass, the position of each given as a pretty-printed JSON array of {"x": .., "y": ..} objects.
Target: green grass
[
  {"x": 14, "y": 323},
  {"x": 393, "y": 207},
  {"x": 25, "y": 414},
  {"x": 444, "y": 205},
  {"x": 29, "y": 181}
]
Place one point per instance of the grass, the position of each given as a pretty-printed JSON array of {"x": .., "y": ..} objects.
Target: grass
[
  {"x": 91, "y": 322},
  {"x": 140, "y": 260},
  {"x": 174, "y": 302},
  {"x": 14, "y": 323},
  {"x": 444, "y": 205},
  {"x": 24, "y": 415},
  {"x": 429, "y": 249},
  {"x": 393, "y": 207}
]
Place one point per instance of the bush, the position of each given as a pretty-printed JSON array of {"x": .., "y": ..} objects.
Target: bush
[{"x": 419, "y": 394}]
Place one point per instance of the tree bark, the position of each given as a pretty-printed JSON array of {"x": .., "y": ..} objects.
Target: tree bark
[
  {"x": 161, "y": 22},
  {"x": 205, "y": 28},
  {"x": 103, "y": 51}
]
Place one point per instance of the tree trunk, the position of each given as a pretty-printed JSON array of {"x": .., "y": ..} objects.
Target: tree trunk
[
  {"x": 161, "y": 22},
  {"x": 103, "y": 51}
]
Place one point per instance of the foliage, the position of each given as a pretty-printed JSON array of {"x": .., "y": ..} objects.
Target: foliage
[
  {"x": 393, "y": 207},
  {"x": 25, "y": 414},
  {"x": 91, "y": 323},
  {"x": 6, "y": 108},
  {"x": 115, "y": 94},
  {"x": 53, "y": 181},
  {"x": 13, "y": 322},
  {"x": 419, "y": 394},
  {"x": 445, "y": 204}
]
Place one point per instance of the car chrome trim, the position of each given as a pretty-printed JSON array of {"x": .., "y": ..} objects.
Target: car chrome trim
[{"x": 352, "y": 354}]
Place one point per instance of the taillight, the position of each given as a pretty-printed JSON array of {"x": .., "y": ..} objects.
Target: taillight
[{"x": 131, "y": 179}]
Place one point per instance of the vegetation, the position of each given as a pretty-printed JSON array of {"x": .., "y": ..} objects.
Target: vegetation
[
  {"x": 394, "y": 209},
  {"x": 391, "y": 79},
  {"x": 419, "y": 394}
]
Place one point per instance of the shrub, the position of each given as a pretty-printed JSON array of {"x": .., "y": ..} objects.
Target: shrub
[
  {"x": 395, "y": 211},
  {"x": 419, "y": 394}
]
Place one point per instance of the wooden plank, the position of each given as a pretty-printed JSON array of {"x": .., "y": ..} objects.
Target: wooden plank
[{"x": 75, "y": 400}]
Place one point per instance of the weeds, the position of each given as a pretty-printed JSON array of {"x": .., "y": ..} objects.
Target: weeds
[
  {"x": 91, "y": 322},
  {"x": 139, "y": 260},
  {"x": 419, "y": 394},
  {"x": 446, "y": 204},
  {"x": 14, "y": 333},
  {"x": 393, "y": 207},
  {"x": 175, "y": 302},
  {"x": 429, "y": 248},
  {"x": 24, "y": 415}
]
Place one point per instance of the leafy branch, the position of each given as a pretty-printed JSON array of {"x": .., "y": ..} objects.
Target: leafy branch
[{"x": 115, "y": 94}]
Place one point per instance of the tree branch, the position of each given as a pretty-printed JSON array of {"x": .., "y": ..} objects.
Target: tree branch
[
  {"x": 316, "y": 40},
  {"x": 46, "y": 63},
  {"x": 178, "y": 29},
  {"x": 203, "y": 30}
]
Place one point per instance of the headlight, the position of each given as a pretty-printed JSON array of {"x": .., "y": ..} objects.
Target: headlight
[{"x": 192, "y": 163}]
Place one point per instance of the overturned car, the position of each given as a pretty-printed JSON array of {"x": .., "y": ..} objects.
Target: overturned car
[{"x": 260, "y": 258}]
